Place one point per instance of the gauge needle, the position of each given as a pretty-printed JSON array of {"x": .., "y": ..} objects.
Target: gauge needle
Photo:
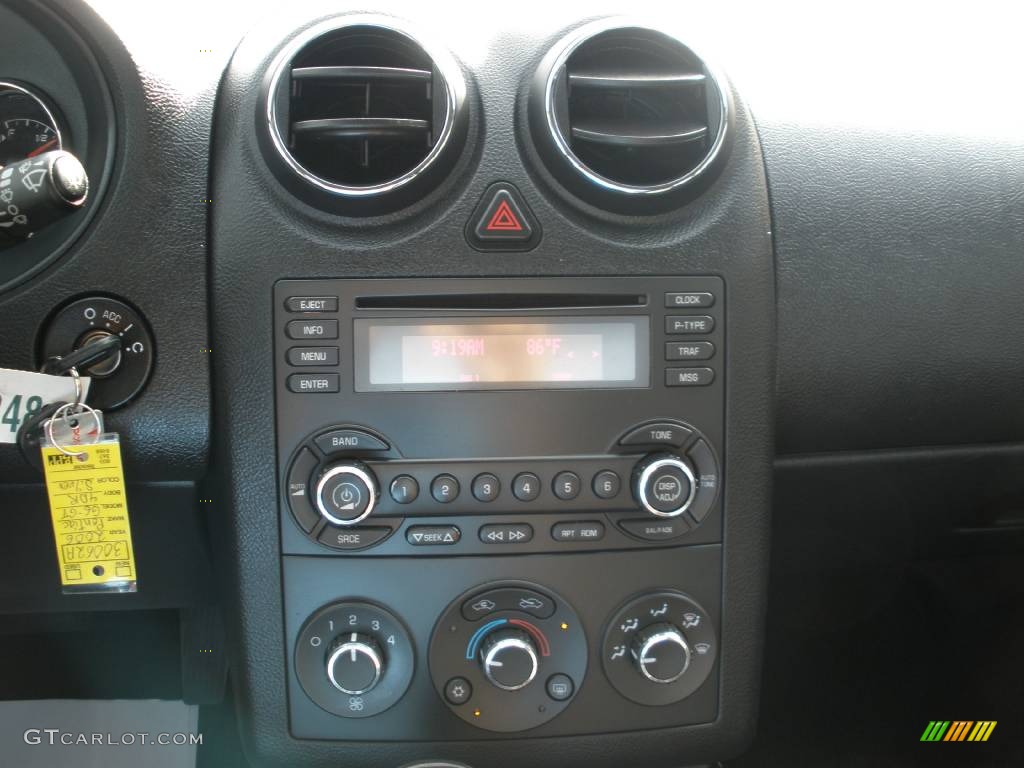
[{"x": 43, "y": 148}]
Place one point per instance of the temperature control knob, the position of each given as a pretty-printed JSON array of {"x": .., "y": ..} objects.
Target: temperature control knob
[
  {"x": 661, "y": 653},
  {"x": 354, "y": 663},
  {"x": 346, "y": 492},
  {"x": 509, "y": 659},
  {"x": 664, "y": 485}
]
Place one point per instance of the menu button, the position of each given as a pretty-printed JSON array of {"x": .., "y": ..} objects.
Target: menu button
[{"x": 319, "y": 356}]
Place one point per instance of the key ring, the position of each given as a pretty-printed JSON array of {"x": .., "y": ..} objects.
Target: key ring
[
  {"x": 78, "y": 386},
  {"x": 60, "y": 414}
]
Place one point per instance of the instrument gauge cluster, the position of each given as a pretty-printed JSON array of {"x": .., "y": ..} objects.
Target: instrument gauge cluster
[{"x": 29, "y": 123}]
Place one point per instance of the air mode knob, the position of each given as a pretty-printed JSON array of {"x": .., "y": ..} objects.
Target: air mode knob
[
  {"x": 346, "y": 492},
  {"x": 509, "y": 659},
  {"x": 354, "y": 663},
  {"x": 664, "y": 485},
  {"x": 661, "y": 653}
]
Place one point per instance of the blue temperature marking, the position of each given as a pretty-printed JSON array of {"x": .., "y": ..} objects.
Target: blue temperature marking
[{"x": 474, "y": 641}]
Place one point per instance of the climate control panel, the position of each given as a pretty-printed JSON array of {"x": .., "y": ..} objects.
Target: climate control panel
[
  {"x": 659, "y": 648},
  {"x": 401, "y": 649},
  {"x": 354, "y": 659},
  {"x": 508, "y": 657}
]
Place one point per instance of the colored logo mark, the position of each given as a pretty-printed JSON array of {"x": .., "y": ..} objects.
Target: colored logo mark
[{"x": 958, "y": 730}]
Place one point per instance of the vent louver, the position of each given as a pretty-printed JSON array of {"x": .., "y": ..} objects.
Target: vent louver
[
  {"x": 364, "y": 115},
  {"x": 628, "y": 117}
]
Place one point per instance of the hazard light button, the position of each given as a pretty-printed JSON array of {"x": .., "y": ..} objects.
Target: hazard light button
[{"x": 502, "y": 221}]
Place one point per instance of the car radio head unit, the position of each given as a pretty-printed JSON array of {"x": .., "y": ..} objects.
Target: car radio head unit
[{"x": 444, "y": 417}]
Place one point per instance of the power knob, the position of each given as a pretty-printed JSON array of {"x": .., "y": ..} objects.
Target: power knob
[
  {"x": 509, "y": 659},
  {"x": 355, "y": 663},
  {"x": 346, "y": 492},
  {"x": 661, "y": 653},
  {"x": 664, "y": 485}
]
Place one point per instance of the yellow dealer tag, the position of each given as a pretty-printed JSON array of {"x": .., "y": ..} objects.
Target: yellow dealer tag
[{"x": 90, "y": 517}]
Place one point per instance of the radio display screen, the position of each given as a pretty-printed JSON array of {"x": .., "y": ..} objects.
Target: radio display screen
[{"x": 398, "y": 355}]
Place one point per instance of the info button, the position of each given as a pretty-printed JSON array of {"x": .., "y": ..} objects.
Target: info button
[{"x": 312, "y": 329}]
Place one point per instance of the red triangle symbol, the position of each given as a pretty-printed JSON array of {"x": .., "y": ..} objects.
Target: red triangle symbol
[{"x": 504, "y": 220}]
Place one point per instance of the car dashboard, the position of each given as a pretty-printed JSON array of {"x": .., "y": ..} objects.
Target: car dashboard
[{"x": 515, "y": 384}]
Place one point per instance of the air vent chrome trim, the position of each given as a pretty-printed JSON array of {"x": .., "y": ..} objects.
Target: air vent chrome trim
[
  {"x": 548, "y": 109},
  {"x": 453, "y": 96}
]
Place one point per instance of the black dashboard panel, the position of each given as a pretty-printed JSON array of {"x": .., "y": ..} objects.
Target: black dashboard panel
[
  {"x": 906, "y": 264},
  {"x": 887, "y": 259},
  {"x": 261, "y": 235}
]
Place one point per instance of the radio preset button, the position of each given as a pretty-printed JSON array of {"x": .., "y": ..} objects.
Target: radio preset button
[
  {"x": 486, "y": 487},
  {"x": 444, "y": 489},
  {"x": 526, "y": 486},
  {"x": 404, "y": 489},
  {"x": 506, "y": 533},
  {"x": 319, "y": 356},
  {"x": 349, "y": 440},
  {"x": 689, "y": 324},
  {"x": 689, "y": 350},
  {"x": 433, "y": 535},
  {"x": 689, "y": 299},
  {"x": 606, "y": 484},
  {"x": 306, "y": 383},
  {"x": 689, "y": 377},
  {"x": 338, "y": 537},
  {"x": 312, "y": 329},
  {"x": 312, "y": 303},
  {"x": 566, "y": 485},
  {"x": 590, "y": 530},
  {"x": 660, "y": 433}
]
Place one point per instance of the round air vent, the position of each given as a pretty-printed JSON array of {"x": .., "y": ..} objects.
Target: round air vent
[
  {"x": 628, "y": 118},
  {"x": 364, "y": 118}
]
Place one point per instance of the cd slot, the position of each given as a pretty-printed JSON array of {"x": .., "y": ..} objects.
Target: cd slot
[{"x": 478, "y": 302}]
